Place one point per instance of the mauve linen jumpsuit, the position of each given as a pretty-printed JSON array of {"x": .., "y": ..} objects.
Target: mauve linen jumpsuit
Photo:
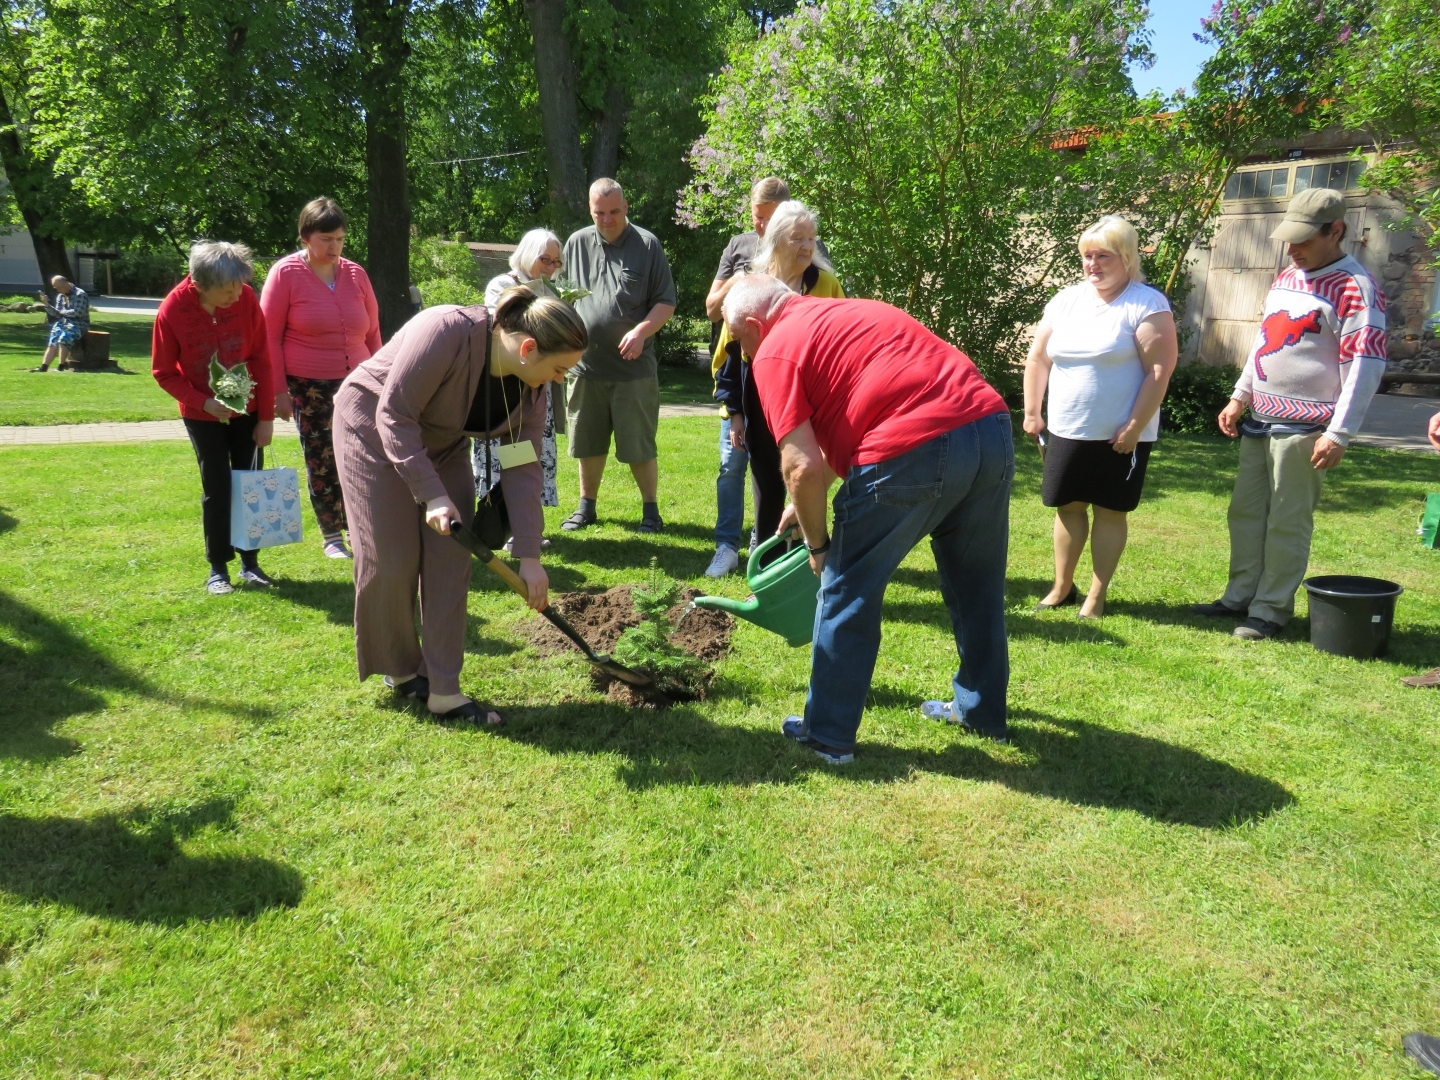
[{"x": 400, "y": 441}]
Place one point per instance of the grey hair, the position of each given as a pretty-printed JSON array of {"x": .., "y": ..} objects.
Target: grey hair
[
  {"x": 216, "y": 263},
  {"x": 754, "y": 296},
  {"x": 605, "y": 186},
  {"x": 532, "y": 245},
  {"x": 782, "y": 223}
]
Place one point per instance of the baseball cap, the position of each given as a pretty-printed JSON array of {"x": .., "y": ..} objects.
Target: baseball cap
[{"x": 1307, "y": 212}]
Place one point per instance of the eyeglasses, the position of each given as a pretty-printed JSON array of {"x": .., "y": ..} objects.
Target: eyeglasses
[{"x": 545, "y": 260}]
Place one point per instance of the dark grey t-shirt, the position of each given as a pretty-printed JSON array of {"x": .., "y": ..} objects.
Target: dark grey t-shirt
[
  {"x": 626, "y": 279},
  {"x": 738, "y": 255}
]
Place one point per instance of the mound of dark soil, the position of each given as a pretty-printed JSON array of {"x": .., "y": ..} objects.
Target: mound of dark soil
[{"x": 601, "y": 617}]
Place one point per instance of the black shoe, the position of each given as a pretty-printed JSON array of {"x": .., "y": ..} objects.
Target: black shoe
[
  {"x": 253, "y": 575},
  {"x": 1072, "y": 597},
  {"x": 651, "y": 523},
  {"x": 417, "y": 688},
  {"x": 1257, "y": 629},
  {"x": 1218, "y": 610},
  {"x": 1425, "y": 1049},
  {"x": 578, "y": 520},
  {"x": 473, "y": 713},
  {"x": 218, "y": 584}
]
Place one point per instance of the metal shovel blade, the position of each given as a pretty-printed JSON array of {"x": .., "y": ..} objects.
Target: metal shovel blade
[{"x": 601, "y": 661}]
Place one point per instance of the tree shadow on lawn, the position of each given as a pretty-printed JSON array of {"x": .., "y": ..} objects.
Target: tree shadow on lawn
[
  {"x": 1060, "y": 625},
  {"x": 1069, "y": 760},
  {"x": 52, "y": 674},
  {"x": 130, "y": 866},
  {"x": 337, "y": 600},
  {"x": 6, "y": 521}
]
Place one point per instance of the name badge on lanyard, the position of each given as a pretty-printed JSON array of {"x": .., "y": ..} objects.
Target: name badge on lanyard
[{"x": 515, "y": 454}]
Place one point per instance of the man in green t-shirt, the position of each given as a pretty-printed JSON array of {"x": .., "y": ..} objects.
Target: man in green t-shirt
[{"x": 615, "y": 388}]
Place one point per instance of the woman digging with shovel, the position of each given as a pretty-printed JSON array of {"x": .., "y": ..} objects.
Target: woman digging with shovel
[{"x": 403, "y": 420}]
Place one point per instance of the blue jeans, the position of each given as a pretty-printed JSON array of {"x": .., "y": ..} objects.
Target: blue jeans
[
  {"x": 730, "y": 491},
  {"x": 956, "y": 490}
]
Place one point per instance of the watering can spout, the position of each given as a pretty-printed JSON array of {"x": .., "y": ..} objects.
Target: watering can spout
[
  {"x": 743, "y": 609},
  {"x": 784, "y": 597}
]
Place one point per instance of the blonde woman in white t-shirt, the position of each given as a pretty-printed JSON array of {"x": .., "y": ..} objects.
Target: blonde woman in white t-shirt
[{"x": 1105, "y": 351}]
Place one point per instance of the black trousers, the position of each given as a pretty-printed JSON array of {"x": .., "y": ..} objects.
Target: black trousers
[
  {"x": 218, "y": 449},
  {"x": 765, "y": 472}
]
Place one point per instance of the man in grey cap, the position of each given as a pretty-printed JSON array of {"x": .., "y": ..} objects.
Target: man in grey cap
[{"x": 1312, "y": 371}]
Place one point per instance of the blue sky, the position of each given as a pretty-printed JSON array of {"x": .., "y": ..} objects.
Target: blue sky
[{"x": 1178, "y": 54}]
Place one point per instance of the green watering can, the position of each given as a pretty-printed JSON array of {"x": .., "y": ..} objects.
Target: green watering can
[{"x": 785, "y": 594}]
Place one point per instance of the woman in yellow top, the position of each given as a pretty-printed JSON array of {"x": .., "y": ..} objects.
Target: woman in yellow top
[{"x": 788, "y": 252}]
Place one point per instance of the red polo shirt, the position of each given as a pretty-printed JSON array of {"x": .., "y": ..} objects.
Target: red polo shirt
[
  {"x": 186, "y": 336},
  {"x": 871, "y": 380}
]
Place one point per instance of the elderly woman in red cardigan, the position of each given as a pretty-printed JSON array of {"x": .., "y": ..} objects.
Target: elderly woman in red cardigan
[
  {"x": 323, "y": 322},
  {"x": 403, "y": 422},
  {"x": 214, "y": 313}
]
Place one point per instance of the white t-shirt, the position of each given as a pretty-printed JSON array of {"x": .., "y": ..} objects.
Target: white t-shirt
[{"x": 1097, "y": 371}]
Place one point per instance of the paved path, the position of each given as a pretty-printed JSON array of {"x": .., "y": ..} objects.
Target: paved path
[
  {"x": 124, "y": 305},
  {"x": 163, "y": 430},
  {"x": 1398, "y": 422}
]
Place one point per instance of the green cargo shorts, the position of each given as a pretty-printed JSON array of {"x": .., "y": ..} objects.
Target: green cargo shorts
[{"x": 594, "y": 409}]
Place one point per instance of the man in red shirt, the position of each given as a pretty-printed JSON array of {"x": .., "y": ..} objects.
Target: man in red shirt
[{"x": 857, "y": 389}]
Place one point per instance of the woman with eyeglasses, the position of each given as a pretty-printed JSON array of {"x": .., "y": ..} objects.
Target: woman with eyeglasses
[
  {"x": 324, "y": 322},
  {"x": 535, "y": 260}
]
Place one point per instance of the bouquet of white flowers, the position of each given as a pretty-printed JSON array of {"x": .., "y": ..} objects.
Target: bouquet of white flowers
[{"x": 232, "y": 386}]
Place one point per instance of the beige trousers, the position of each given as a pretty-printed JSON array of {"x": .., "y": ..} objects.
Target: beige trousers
[{"x": 1272, "y": 517}]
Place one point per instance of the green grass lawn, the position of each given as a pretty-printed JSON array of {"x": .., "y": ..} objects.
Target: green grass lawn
[
  {"x": 222, "y": 856},
  {"x": 66, "y": 397},
  {"x": 74, "y": 397}
]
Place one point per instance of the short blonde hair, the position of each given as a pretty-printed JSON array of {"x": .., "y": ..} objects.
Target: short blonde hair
[
  {"x": 551, "y": 322},
  {"x": 532, "y": 245},
  {"x": 768, "y": 189},
  {"x": 1114, "y": 234}
]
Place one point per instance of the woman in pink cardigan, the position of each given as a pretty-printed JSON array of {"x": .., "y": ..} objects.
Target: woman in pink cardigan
[{"x": 323, "y": 322}]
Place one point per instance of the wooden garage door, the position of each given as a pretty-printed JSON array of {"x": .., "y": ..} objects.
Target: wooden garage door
[{"x": 1243, "y": 264}]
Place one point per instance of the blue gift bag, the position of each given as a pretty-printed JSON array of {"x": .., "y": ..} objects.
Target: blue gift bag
[{"x": 264, "y": 508}]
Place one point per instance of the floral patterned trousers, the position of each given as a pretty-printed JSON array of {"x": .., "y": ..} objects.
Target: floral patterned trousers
[{"x": 314, "y": 401}]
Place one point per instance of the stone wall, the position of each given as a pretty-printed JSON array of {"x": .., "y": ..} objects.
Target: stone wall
[{"x": 1408, "y": 281}]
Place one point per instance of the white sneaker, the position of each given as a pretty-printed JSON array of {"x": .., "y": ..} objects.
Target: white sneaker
[
  {"x": 725, "y": 561},
  {"x": 952, "y": 712}
]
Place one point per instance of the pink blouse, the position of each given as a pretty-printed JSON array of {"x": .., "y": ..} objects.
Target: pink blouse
[{"x": 317, "y": 332}]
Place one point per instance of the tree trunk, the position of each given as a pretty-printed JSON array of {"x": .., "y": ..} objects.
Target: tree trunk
[
  {"x": 380, "y": 30},
  {"x": 555, "y": 76},
  {"x": 34, "y": 185},
  {"x": 609, "y": 127}
]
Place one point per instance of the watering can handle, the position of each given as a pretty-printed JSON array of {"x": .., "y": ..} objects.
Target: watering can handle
[{"x": 753, "y": 566}]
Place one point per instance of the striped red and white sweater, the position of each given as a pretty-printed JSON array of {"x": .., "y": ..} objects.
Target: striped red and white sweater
[{"x": 1320, "y": 351}]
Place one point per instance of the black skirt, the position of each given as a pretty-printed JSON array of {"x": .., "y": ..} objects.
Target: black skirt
[{"x": 1090, "y": 471}]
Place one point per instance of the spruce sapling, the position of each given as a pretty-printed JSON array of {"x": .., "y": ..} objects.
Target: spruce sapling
[{"x": 647, "y": 647}]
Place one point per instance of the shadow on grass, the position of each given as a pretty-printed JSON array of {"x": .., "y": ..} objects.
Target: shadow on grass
[
  {"x": 1060, "y": 625},
  {"x": 130, "y": 866},
  {"x": 1069, "y": 760},
  {"x": 49, "y": 673},
  {"x": 635, "y": 552},
  {"x": 6, "y": 521}
]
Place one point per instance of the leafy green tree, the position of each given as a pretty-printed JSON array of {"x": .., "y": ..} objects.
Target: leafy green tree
[
  {"x": 923, "y": 134},
  {"x": 1390, "y": 87}
]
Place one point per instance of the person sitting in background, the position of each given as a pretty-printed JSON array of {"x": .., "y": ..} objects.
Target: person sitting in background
[
  {"x": 1105, "y": 351},
  {"x": 71, "y": 312},
  {"x": 788, "y": 253},
  {"x": 1308, "y": 381},
  {"x": 533, "y": 263},
  {"x": 214, "y": 313},
  {"x": 323, "y": 322}
]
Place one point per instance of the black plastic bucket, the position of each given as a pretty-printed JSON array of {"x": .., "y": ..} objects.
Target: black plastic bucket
[{"x": 1351, "y": 616}]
